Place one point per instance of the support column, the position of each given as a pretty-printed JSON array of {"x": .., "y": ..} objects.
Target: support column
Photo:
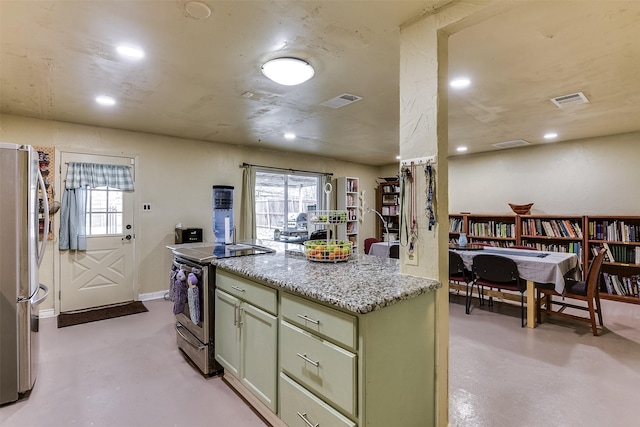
[{"x": 424, "y": 134}]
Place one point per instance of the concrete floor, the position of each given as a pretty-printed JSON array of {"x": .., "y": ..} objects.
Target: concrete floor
[
  {"x": 123, "y": 372},
  {"x": 128, "y": 372},
  {"x": 557, "y": 374}
]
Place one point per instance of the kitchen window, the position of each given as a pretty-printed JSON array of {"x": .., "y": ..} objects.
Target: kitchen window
[{"x": 282, "y": 201}]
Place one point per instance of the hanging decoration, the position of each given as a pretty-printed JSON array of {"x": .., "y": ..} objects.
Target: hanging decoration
[{"x": 428, "y": 170}]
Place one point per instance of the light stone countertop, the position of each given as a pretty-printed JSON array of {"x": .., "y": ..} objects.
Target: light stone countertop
[{"x": 363, "y": 284}]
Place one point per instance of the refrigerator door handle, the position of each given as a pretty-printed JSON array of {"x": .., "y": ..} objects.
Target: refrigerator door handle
[
  {"x": 45, "y": 231},
  {"x": 45, "y": 288}
]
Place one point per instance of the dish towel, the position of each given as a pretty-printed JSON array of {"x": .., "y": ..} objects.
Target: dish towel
[
  {"x": 179, "y": 292},
  {"x": 172, "y": 282},
  {"x": 193, "y": 298}
]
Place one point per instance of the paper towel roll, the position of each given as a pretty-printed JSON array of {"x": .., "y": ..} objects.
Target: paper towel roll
[{"x": 227, "y": 231}]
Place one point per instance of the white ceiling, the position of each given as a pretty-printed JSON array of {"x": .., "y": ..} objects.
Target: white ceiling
[{"x": 57, "y": 56}]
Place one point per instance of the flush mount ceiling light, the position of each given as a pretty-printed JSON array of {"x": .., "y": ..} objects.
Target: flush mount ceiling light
[
  {"x": 461, "y": 149},
  {"x": 290, "y": 135},
  {"x": 105, "y": 100},
  {"x": 197, "y": 10},
  {"x": 288, "y": 71},
  {"x": 130, "y": 52},
  {"x": 550, "y": 135}
]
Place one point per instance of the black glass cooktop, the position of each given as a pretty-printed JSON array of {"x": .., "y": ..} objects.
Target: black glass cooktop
[{"x": 206, "y": 253}]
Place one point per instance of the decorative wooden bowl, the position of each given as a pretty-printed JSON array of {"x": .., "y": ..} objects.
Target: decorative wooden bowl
[{"x": 521, "y": 209}]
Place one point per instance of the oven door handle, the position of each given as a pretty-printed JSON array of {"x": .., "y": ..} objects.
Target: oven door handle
[{"x": 198, "y": 346}]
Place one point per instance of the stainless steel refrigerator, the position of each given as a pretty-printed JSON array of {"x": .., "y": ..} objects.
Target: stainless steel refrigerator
[{"x": 20, "y": 256}]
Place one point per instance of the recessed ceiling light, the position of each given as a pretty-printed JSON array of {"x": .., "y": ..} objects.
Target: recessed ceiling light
[
  {"x": 460, "y": 83},
  {"x": 461, "y": 149},
  {"x": 398, "y": 157},
  {"x": 130, "y": 52},
  {"x": 290, "y": 135},
  {"x": 288, "y": 71},
  {"x": 550, "y": 135},
  {"x": 105, "y": 100}
]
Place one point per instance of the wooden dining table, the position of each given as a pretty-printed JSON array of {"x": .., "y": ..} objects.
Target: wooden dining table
[{"x": 533, "y": 266}]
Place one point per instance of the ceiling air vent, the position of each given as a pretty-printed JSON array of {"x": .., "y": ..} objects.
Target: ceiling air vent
[
  {"x": 511, "y": 144},
  {"x": 570, "y": 100},
  {"x": 341, "y": 100}
]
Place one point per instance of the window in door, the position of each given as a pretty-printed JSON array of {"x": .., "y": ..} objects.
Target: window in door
[
  {"x": 282, "y": 202},
  {"x": 104, "y": 211}
]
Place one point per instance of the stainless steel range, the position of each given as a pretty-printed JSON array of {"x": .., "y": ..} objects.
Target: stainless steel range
[{"x": 195, "y": 320}]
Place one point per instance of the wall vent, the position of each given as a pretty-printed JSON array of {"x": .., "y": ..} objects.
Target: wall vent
[
  {"x": 341, "y": 100},
  {"x": 570, "y": 100},
  {"x": 511, "y": 144}
]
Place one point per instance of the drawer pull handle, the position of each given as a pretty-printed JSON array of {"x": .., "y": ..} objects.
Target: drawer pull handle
[
  {"x": 306, "y": 420},
  {"x": 302, "y": 316},
  {"x": 313, "y": 362},
  {"x": 238, "y": 289}
]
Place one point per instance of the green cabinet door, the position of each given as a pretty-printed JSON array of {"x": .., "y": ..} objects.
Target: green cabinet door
[
  {"x": 227, "y": 336},
  {"x": 259, "y": 340}
]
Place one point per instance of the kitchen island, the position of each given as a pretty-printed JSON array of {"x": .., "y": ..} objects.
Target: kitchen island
[{"x": 329, "y": 344}]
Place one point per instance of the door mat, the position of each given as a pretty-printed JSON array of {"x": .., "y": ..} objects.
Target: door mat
[{"x": 100, "y": 313}]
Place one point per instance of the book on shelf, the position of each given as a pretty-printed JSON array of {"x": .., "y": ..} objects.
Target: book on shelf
[
  {"x": 608, "y": 255},
  {"x": 455, "y": 225},
  {"x": 607, "y": 283},
  {"x": 617, "y": 286}
]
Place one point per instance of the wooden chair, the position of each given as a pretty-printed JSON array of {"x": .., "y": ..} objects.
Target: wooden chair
[
  {"x": 584, "y": 290},
  {"x": 495, "y": 271},
  {"x": 368, "y": 242}
]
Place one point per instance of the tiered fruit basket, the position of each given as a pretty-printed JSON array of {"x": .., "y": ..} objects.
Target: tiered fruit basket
[
  {"x": 328, "y": 217},
  {"x": 328, "y": 250}
]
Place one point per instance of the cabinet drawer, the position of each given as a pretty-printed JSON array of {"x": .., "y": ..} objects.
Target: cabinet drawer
[
  {"x": 327, "y": 322},
  {"x": 321, "y": 366},
  {"x": 254, "y": 293},
  {"x": 296, "y": 402}
]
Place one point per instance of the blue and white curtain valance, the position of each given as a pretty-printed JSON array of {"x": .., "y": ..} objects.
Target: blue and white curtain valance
[{"x": 98, "y": 175}]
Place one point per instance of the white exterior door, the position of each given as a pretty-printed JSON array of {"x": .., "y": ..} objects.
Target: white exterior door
[{"x": 104, "y": 274}]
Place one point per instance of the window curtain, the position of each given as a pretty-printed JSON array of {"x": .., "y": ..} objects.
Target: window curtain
[
  {"x": 74, "y": 199},
  {"x": 98, "y": 175},
  {"x": 248, "y": 204},
  {"x": 73, "y": 220}
]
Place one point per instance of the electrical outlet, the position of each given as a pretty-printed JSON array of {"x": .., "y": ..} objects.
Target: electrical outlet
[
  {"x": 411, "y": 257},
  {"x": 146, "y": 207}
]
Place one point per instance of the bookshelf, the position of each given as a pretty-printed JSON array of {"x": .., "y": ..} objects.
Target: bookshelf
[
  {"x": 496, "y": 230},
  {"x": 620, "y": 236},
  {"x": 457, "y": 225},
  {"x": 388, "y": 204},
  {"x": 347, "y": 199},
  {"x": 553, "y": 233}
]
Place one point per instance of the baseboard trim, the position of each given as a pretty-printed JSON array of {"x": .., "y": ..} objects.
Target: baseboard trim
[
  {"x": 49, "y": 312},
  {"x": 152, "y": 295}
]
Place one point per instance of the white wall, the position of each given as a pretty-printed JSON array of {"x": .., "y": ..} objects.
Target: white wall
[
  {"x": 175, "y": 175},
  {"x": 596, "y": 176}
]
